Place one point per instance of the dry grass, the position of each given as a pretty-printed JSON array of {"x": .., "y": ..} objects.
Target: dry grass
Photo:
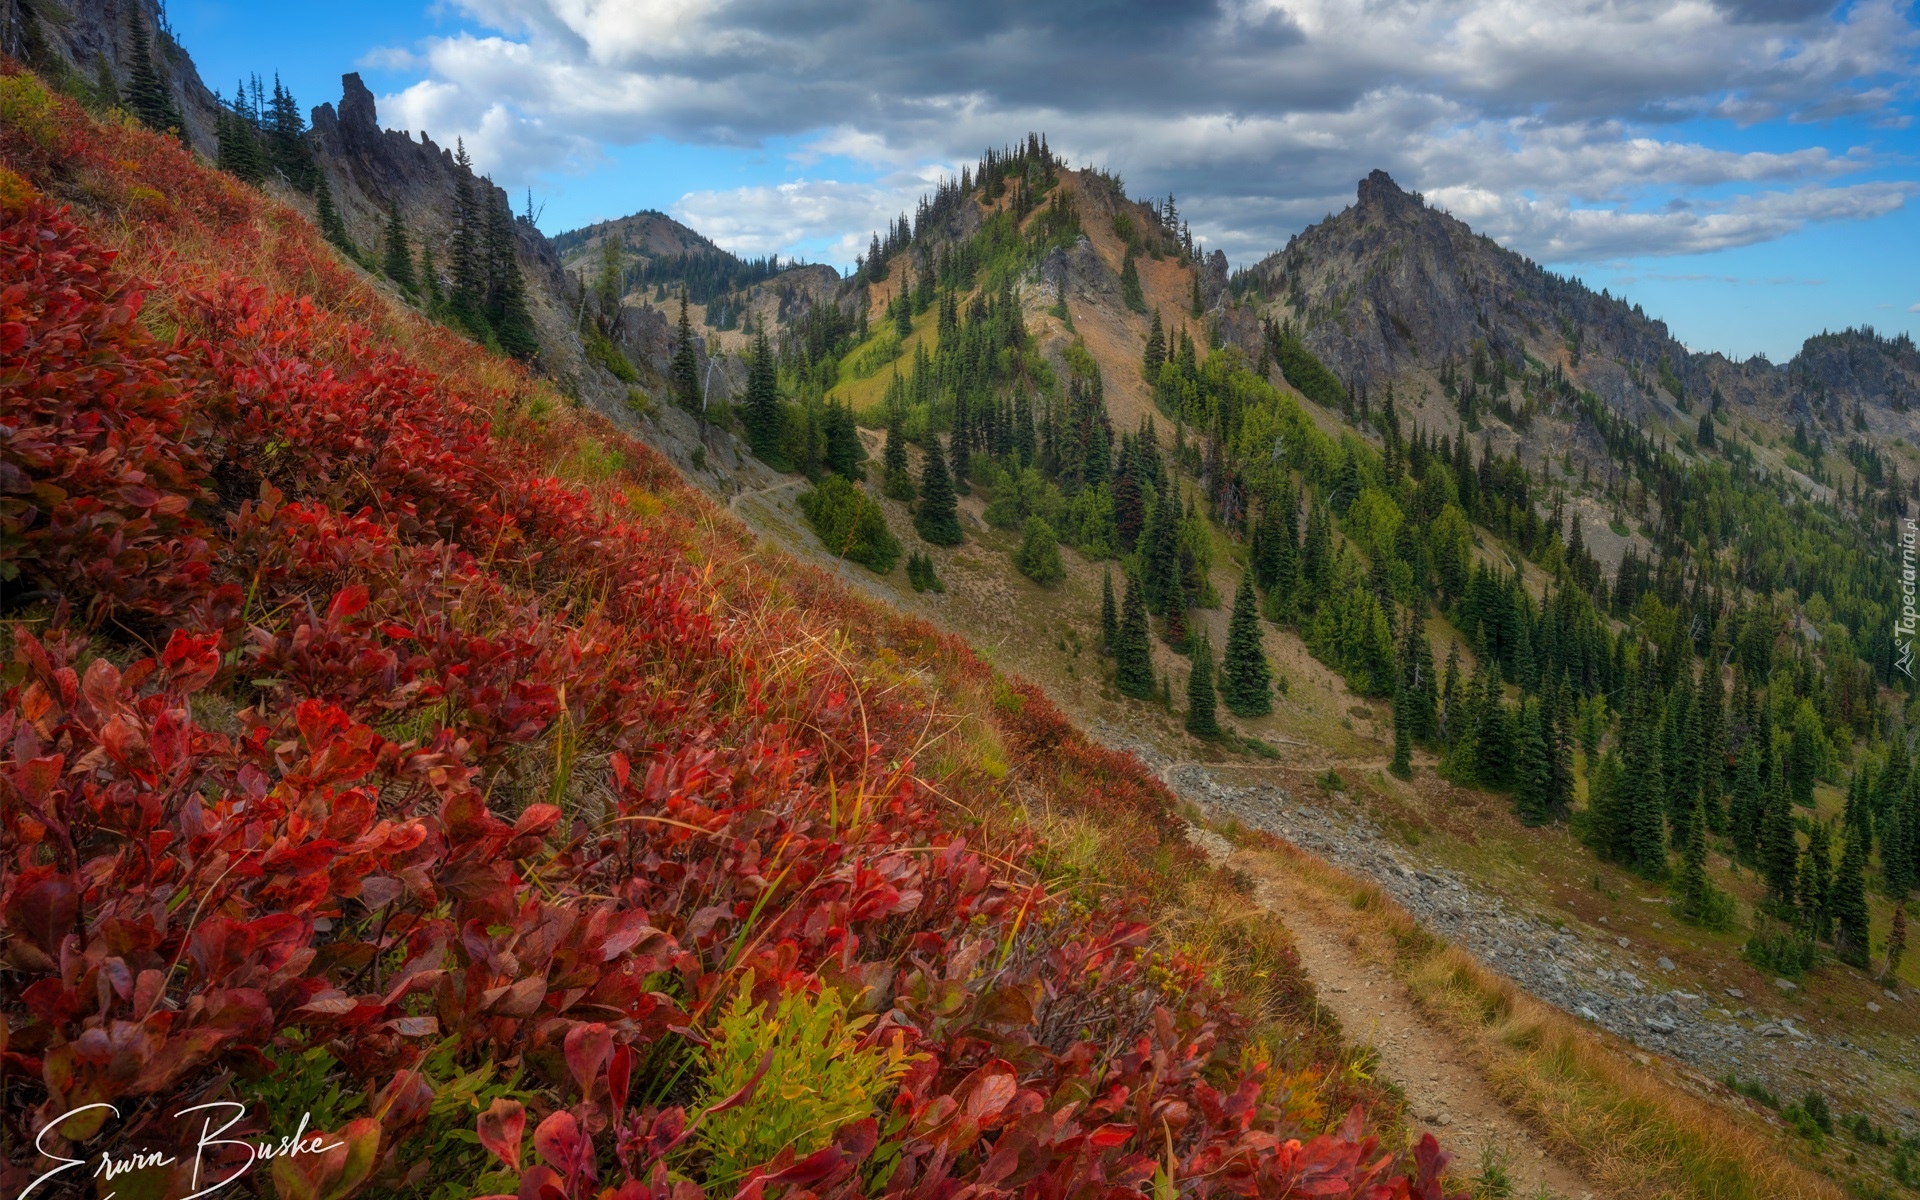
[{"x": 1631, "y": 1129}]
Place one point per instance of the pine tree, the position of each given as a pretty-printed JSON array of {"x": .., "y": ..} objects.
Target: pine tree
[
  {"x": 903, "y": 312},
  {"x": 1162, "y": 556},
  {"x": 148, "y": 95},
  {"x": 287, "y": 148},
  {"x": 466, "y": 300},
  {"x": 1156, "y": 349},
  {"x": 1848, "y": 904},
  {"x": 1130, "y": 285},
  {"x": 239, "y": 145},
  {"x": 937, "y": 518},
  {"x": 845, "y": 452},
  {"x": 898, "y": 483},
  {"x": 1402, "y": 765},
  {"x": 1132, "y": 652},
  {"x": 398, "y": 263},
  {"x": 1531, "y": 799},
  {"x": 506, "y": 295},
  {"x": 684, "y": 370},
  {"x": 1174, "y": 629},
  {"x": 327, "y": 217},
  {"x": 761, "y": 414},
  {"x": 1245, "y": 672},
  {"x": 1700, "y": 902},
  {"x": 1202, "y": 719},
  {"x": 429, "y": 274},
  {"x": 1814, "y": 886},
  {"x": 1896, "y": 942},
  {"x": 1779, "y": 849},
  {"x": 1109, "y": 615}
]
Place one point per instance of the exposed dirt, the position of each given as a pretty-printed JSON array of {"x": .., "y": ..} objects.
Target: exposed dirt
[{"x": 1445, "y": 1091}]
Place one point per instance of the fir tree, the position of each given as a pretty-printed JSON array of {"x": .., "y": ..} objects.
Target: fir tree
[
  {"x": 429, "y": 273},
  {"x": 1402, "y": 765},
  {"x": 1109, "y": 615},
  {"x": 286, "y": 136},
  {"x": 1700, "y": 902},
  {"x": 1814, "y": 886},
  {"x": 327, "y": 217},
  {"x": 148, "y": 95},
  {"x": 1130, "y": 285},
  {"x": 1779, "y": 849},
  {"x": 1156, "y": 349},
  {"x": 898, "y": 483},
  {"x": 239, "y": 145},
  {"x": 506, "y": 295},
  {"x": 1202, "y": 719},
  {"x": 761, "y": 415},
  {"x": 1248, "y": 678},
  {"x": 467, "y": 298},
  {"x": 1848, "y": 904},
  {"x": 1531, "y": 791},
  {"x": 398, "y": 262},
  {"x": 1162, "y": 557},
  {"x": 937, "y": 517},
  {"x": 684, "y": 370},
  {"x": 845, "y": 452},
  {"x": 903, "y": 315},
  {"x": 1896, "y": 942},
  {"x": 1132, "y": 652},
  {"x": 1174, "y": 628}
]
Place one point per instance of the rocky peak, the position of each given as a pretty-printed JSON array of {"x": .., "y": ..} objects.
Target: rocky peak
[
  {"x": 358, "y": 115},
  {"x": 1379, "y": 192}
]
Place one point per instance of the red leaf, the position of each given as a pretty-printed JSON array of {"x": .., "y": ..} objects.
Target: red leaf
[
  {"x": 500, "y": 1129},
  {"x": 587, "y": 1048}
]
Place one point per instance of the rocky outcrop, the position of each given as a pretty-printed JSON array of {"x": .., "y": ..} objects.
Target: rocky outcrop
[
  {"x": 1392, "y": 287},
  {"x": 70, "y": 43}
]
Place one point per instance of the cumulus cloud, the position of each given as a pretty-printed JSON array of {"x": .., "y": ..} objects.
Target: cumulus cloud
[{"x": 1554, "y": 122}]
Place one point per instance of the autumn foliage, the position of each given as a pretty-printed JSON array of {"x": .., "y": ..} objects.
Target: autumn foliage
[{"x": 335, "y": 724}]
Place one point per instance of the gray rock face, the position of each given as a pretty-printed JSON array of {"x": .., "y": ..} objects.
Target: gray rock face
[
  {"x": 1391, "y": 285},
  {"x": 68, "y": 43}
]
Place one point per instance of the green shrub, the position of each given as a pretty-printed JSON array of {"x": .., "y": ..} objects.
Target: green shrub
[
  {"x": 601, "y": 349},
  {"x": 921, "y": 575},
  {"x": 851, "y": 524},
  {"x": 820, "y": 1078},
  {"x": 1781, "y": 949},
  {"x": 1039, "y": 554}
]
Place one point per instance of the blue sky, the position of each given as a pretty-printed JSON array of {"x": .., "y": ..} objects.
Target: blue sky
[{"x": 1748, "y": 170}]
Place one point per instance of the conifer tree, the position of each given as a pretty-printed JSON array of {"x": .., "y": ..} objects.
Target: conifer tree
[
  {"x": 1700, "y": 902},
  {"x": 1202, "y": 717},
  {"x": 898, "y": 483},
  {"x": 398, "y": 262},
  {"x": 1813, "y": 887},
  {"x": 1156, "y": 349},
  {"x": 327, "y": 217},
  {"x": 1247, "y": 676},
  {"x": 238, "y": 144},
  {"x": 1744, "y": 816},
  {"x": 684, "y": 370},
  {"x": 148, "y": 95},
  {"x": 1896, "y": 942},
  {"x": 1109, "y": 615},
  {"x": 1174, "y": 629},
  {"x": 762, "y": 412},
  {"x": 1199, "y": 308},
  {"x": 1132, "y": 652},
  {"x": 903, "y": 311},
  {"x": 429, "y": 272},
  {"x": 466, "y": 300},
  {"x": 1779, "y": 849},
  {"x": 1849, "y": 904},
  {"x": 506, "y": 295},
  {"x": 286, "y": 135},
  {"x": 937, "y": 517},
  {"x": 1130, "y": 285},
  {"x": 1161, "y": 560},
  {"x": 1402, "y": 765},
  {"x": 845, "y": 453},
  {"x": 1530, "y": 795}
]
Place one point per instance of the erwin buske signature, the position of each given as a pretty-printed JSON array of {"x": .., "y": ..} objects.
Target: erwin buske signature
[{"x": 109, "y": 1166}]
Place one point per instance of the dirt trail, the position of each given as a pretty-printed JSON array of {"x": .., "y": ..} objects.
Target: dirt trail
[{"x": 1445, "y": 1091}]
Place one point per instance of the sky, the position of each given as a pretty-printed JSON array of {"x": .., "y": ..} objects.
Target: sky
[{"x": 1747, "y": 170}]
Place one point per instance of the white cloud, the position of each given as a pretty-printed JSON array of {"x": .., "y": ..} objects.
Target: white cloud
[{"x": 1552, "y": 123}]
